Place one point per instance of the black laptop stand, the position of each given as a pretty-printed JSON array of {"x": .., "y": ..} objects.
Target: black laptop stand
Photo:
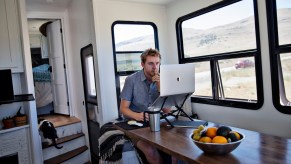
[{"x": 179, "y": 111}]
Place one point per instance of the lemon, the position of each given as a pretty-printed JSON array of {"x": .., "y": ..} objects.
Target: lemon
[
  {"x": 196, "y": 136},
  {"x": 201, "y": 127},
  {"x": 196, "y": 131}
]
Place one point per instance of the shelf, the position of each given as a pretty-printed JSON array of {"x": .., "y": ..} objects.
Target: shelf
[
  {"x": 2, "y": 131},
  {"x": 19, "y": 98}
]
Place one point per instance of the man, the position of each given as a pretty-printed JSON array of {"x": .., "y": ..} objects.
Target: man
[{"x": 139, "y": 91}]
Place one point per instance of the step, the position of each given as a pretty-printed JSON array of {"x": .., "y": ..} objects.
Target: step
[
  {"x": 51, "y": 151},
  {"x": 66, "y": 156},
  {"x": 60, "y": 120},
  {"x": 79, "y": 159},
  {"x": 66, "y": 130},
  {"x": 63, "y": 139}
]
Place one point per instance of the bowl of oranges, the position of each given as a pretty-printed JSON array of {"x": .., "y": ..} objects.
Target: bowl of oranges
[{"x": 216, "y": 140}]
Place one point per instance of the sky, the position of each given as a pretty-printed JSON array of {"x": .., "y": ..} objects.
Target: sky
[
  {"x": 243, "y": 9},
  {"x": 125, "y": 32},
  {"x": 283, "y": 3}
]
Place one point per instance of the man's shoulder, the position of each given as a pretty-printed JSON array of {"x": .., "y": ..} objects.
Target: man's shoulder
[{"x": 136, "y": 75}]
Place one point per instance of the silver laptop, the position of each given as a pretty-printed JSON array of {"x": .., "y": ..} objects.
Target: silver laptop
[{"x": 177, "y": 81}]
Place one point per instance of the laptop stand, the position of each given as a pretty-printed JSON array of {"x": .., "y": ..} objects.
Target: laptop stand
[{"x": 179, "y": 110}]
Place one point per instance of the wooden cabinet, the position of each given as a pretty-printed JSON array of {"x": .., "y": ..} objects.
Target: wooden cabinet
[{"x": 10, "y": 47}]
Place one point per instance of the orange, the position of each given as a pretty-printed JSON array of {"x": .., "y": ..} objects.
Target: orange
[
  {"x": 211, "y": 132},
  {"x": 219, "y": 139},
  {"x": 205, "y": 139},
  {"x": 236, "y": 134}
]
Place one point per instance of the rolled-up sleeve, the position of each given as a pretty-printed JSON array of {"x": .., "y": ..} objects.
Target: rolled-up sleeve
[{"x": 127, "y": 91}]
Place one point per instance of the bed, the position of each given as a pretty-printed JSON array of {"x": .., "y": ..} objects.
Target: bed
[{"x": 42, "y": 85}]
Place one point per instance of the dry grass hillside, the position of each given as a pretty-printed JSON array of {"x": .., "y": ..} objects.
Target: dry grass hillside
[{"x": 218, "y": 39}]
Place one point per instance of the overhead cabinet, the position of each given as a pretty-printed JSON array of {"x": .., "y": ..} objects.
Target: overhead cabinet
[{"x": 10, "y": 47}]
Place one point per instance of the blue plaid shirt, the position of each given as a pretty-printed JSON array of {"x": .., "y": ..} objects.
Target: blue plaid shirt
[{"x": 139, "y": 91}]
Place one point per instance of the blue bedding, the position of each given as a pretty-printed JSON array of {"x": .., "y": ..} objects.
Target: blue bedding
[{"x": 41, "y": 73}]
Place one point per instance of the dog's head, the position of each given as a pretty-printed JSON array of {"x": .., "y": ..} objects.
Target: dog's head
[{"x": 48, "y": 129}]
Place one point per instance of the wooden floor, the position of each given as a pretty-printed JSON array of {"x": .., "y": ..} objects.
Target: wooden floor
[{"x": 60, "y": 120}]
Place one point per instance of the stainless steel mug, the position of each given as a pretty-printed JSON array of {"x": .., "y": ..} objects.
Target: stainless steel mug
[{"x": 154, "y": 119}]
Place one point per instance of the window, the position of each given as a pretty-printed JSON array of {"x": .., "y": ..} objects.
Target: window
[
  {"x": 130, "y": 39},
  {"x": 279, "y": 23},
  {"x": 223, "y": 42},
  {"x": 90, "y": 75},
  {"x": 88, "y": 72}
]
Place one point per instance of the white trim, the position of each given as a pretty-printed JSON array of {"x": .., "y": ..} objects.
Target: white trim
[
  {"x": 34, "y": 142},
  {"x": 63, "y": 16}
]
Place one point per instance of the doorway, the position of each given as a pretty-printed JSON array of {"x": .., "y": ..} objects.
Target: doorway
[
  {"x": 48, "y": 66},
  {"x": 91, "y": 105}
]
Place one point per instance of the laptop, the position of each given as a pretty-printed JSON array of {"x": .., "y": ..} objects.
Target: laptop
[
  {"x": 177, "y": 79},
  {"x": 177, "y": 82}
]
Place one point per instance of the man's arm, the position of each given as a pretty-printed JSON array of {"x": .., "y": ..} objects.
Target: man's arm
[
  {"x": 124, "y": 109},
  {"x": 167, "y": 110}
]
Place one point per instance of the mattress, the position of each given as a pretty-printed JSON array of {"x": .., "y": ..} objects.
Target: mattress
[{"x": 43, "y": 93}]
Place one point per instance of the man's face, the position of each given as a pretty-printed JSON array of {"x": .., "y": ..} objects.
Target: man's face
[{"x": 151, "y": 66}]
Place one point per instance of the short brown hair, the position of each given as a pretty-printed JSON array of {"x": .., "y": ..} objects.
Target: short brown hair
[{"x": 149, "y": 52}]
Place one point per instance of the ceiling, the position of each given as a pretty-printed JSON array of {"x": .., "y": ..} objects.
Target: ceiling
[
  {"x": 57, "y": 5},
  {"x": 34, "y": 24},
  {"x": 159, "y": 2},
  {"x": 61, "y": 5}
]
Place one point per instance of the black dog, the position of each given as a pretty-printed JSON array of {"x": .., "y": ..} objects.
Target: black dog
[{"x": 49, "y": 132}]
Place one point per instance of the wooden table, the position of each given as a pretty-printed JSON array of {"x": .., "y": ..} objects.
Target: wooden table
[{"x": 256, "y": 148}]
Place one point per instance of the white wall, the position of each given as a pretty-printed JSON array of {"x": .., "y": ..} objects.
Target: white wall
[
  {"x": 105, "y": 13},
  {"x": 79, "y": 34},
  {"x": 267, "y": 119}
]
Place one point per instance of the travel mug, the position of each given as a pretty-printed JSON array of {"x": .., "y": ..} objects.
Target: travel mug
[{"x": 154, "y": 118}]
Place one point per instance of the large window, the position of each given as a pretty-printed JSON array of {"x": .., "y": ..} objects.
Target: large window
[
  {"x": 130, "y": 39},
  {"x": 223, "y": 42},
  {"x": 279, "y": 27}
]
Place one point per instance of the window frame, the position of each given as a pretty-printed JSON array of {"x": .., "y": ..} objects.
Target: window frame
[
  {"x": 256, "y": 53},
  {"x": 278, "y": 88},
  {"x": 86, "y": 52},
  {"x": 118, "y": 74}
]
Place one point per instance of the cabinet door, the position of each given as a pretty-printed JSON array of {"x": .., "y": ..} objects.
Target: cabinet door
[{"x": 10, "y": 47}]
